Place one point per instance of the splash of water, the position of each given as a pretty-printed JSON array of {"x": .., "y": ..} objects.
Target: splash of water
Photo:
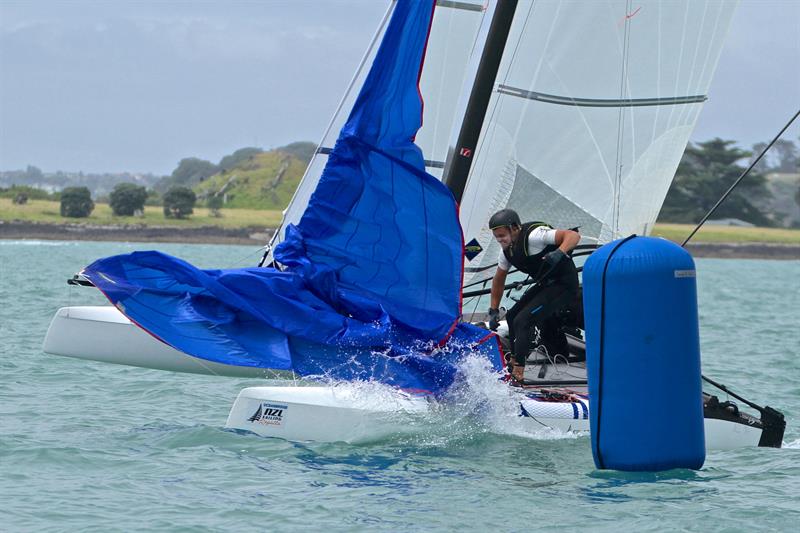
[
  {"x": 479, "y": 403},
  {"x": 481, "y": 394},
  {"x": 795, "y": 444}
]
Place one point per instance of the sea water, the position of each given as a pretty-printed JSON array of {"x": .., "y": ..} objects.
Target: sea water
[{"x": 89, "y": 446}]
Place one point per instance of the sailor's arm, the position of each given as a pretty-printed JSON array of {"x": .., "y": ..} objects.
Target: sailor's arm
[
  {"x": 567, "y": 240},
  {"x": 498, "y": 284}
]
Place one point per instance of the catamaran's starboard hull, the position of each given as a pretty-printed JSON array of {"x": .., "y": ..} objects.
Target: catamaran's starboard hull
[
  {"x": 102, "y": 333},
  {"x": 322, "y": 414},
  {"x": 342, "y": 414}
]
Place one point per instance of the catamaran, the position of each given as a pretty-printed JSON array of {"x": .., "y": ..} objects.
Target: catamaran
[{"x": 575, "y": 113}]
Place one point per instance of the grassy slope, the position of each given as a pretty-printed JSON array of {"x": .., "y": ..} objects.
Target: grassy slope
[{"x": 254, "y": 184}]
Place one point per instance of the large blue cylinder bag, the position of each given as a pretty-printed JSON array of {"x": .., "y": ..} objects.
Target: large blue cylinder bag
[{"x": 643, "y": 356}]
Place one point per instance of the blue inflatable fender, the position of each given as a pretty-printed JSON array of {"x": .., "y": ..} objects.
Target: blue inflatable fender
[{"x": 643, "y": 356}]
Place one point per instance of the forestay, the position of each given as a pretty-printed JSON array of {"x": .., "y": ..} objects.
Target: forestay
[{"x": 593, "y": 106}]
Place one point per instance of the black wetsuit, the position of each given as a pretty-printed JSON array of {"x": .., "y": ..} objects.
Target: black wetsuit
[{"x": 541, "y": 305}]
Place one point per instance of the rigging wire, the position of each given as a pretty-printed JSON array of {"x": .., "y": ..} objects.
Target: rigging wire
[
  {"x": 744, "y": 174},
  {"x": 249, "y": 255},
  {"x": 553, "y": 360},
  {"x": 478, "y": 300},
  {"x": 621, "y": 123},
  {"x": 719, "y": 386}
]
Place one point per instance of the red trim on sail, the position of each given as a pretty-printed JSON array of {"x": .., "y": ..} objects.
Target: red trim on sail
[
  {"x": 499, "y": 347},
  {"x": 116, "y": 306},
  {"x": 461, "y": 279}
]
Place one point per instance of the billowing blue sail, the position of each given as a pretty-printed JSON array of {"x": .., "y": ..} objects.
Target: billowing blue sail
[{"x": 371, "y": 275}]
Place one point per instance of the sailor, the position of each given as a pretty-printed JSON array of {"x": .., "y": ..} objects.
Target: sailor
[{"x": 542, "y": 253}]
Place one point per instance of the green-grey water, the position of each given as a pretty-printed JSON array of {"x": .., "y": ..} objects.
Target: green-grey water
[{"x": 95, "y": 447}]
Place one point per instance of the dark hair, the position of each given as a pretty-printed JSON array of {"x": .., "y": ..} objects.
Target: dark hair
[{"x": 503, "y": 218}]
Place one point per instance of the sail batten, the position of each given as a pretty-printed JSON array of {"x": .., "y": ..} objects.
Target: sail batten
[
  {"x": 326, "y": 150},
  {"x": 468, "y": 6},
  {"x": 600, "y": 102}
]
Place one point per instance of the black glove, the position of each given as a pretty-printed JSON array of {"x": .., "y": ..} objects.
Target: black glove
[
  {"x": 494, "y": 318},
  {"x": 554, "y": 257}
]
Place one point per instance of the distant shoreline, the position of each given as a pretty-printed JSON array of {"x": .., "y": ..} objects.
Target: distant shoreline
[
  {"x": 258, "y": 236},
  {"x": 133, "y": 233},
  {"x": 745, "y": 250}
]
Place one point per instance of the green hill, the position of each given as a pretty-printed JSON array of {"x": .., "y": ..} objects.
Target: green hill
[{"x": 265, "y": 180}]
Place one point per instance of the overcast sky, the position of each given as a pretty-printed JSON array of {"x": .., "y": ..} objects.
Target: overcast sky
[{"x": 136, "y": 86}]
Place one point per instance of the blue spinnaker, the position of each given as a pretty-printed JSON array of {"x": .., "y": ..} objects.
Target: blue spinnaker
[{"x": 372, "y": 272}]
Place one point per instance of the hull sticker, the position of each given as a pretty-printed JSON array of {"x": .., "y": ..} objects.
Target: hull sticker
[{"x": 269, "y": 414}]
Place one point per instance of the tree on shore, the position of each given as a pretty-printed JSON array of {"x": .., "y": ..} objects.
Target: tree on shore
[
  {"x": 705, "y": 172},
  {"x": 32, "y": 193},
  {"x": 237, "y": 157},
  {"x": 214, "y": 203},
  {"x": 76, "y": 202},
  {"x": 179, "y": 202},
  {"x": 788, "y": 157},
  {"x": 34, "y": 173},
  {"x": 126, "y": 199},
  {"x": 190, "y": 172},
  {"x": 783, "y": 157},
  {"x": 302, "y": 150}
]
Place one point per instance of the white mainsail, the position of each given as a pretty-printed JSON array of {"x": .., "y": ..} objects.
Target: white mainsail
[{"x": 593, "y": 105}]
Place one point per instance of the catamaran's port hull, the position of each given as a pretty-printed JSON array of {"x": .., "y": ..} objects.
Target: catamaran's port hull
[{"x": 102, "y": 333}]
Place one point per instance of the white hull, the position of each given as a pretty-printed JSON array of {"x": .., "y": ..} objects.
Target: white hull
[
  {"x": 102, "y": 333},
  {"x": 343, "y": 414},
  {"x": 322, "y": 414}
]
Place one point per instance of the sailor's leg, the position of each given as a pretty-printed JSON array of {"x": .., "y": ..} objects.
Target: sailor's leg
[
  {"x": 553, "y": 338},
  {"x": 519, "y": 326},
  {"x": 523, "y": 325},
  {"x": 547, "y": 318},
  {"x": 543, "y": 313},
  {"x": 515, "y": 311},
  {"x": 524, "y": 321}
]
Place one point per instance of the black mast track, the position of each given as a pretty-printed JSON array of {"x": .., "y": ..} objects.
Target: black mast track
[{"x": 459, "y": 161}]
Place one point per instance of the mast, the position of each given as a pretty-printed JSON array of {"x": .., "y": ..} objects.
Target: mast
[{"x": 459, "y": 161}]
